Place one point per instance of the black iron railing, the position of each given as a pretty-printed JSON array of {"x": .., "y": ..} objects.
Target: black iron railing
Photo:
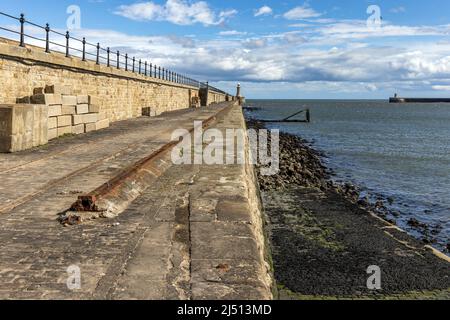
[{"x": 94, "y": 52}]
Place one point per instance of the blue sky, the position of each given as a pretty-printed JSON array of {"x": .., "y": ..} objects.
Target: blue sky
[{"x": 276, "y": 49}]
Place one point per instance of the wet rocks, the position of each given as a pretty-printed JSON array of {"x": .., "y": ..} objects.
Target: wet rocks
[
  {"x": 414, "y": 223},
  {"x": 299, "y": 164},
  {"x": 302, "y": 166}
]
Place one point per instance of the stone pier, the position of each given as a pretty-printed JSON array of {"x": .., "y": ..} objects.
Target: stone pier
[{"x": 195, "y": 233}]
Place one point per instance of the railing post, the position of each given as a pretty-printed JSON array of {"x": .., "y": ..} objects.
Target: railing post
[
  {"x": 159, "y": 72},
  {"x": 163, "y": 72},
  {"x": 145, "y": 68},
  {"x": 140, "y": 64},
  {"x": 22, "y": 30},
  {"x": 98, "y": 53},
  {"x": 126, "y": 61},
  {"x": 151, "y": 69},
  {"x": 47, "y": 38},
  {"x": 67, "y": 44},
  {"x": 118, "y": 58},
  {"x": 84, "y": 49},
  {"x": 108, "y": 51},
  {"x": 134, "y": 59}
]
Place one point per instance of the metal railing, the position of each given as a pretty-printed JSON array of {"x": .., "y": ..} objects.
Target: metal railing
[{"x": 99, "y": 55}]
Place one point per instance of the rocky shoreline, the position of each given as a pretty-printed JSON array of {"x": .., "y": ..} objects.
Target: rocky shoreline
[
  {"x": 324, "y": 235},
  {"x": 302, "y": 166}
]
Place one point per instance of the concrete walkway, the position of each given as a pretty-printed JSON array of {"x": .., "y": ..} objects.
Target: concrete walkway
[{"x": 173, "y": 242}]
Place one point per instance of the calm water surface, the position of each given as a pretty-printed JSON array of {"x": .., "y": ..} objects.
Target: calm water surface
[{"x": 395, "y": 150}]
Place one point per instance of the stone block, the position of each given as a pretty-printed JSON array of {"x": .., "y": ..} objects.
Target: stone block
[
  {"x": 78, "y": 129},
  {"x": 83, "y": 99},
  {"x": 89, "y": 127},
  {"x": 77, "y": 119},
  {"x": 69, "y": 100},
  {"x": 24, "y": 100},
  {"x": 82, "y": 108},
  {"x": 23, "y": 126},
  {"x": 94, "y": 108},
  {"x": 40, "y": 98},
  {"x": 55, "y": 110},
  {"x": 52, "y": 134},
  {"x": 40, "y": 126},
  {"x": 64, "y": 121},
  {"x": 102, "y": 124},
  {"x": 94, "y": 100},
  {"x": 58, "y": 89},
  {"x": 52, "y": 122},
  {"x": 64, "y": 130},
  {"x": 69, "y": 110},
  {"x": 90, "y": 118}
]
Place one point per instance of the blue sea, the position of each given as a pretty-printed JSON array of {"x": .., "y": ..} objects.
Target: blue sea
[{"x": 398, "y": 151}]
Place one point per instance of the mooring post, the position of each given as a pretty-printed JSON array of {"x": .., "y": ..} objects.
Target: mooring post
[{"x": 308, "y": 115}]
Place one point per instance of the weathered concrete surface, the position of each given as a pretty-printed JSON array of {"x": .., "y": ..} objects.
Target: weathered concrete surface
[
  {"x": 216, "y": 248},
  {"x": 185, "y": 237}
]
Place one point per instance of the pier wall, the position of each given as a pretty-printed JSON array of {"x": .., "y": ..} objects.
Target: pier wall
[{"x": 121, "y": 94}]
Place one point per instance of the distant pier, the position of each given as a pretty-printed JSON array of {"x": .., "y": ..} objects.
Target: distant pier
[{"x": 419, "y": 100}]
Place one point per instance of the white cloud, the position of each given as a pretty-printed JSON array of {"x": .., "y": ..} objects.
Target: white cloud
[
  {"x": 398, "y": 10},
  {"x": 263, "y": 11},
  {"x": 179, "y": 12},
  {"x": 255, "y": 43},
  {"x": 232, "y": 33},
  {"x": 300, "y": 13},
  {"x": 441, "y": 88}
]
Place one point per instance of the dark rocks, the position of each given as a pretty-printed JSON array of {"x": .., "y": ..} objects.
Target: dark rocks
[
  {"x": 414, "y": 223},
  {"x": 299, "y": 164},
  {"x": 302, "y": 166}
]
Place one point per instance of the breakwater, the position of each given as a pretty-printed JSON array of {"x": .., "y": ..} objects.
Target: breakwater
[{"x": 419, "y": 100}]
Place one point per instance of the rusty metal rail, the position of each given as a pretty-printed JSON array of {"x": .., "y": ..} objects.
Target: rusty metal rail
[{"x": 135, "y": 175}]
